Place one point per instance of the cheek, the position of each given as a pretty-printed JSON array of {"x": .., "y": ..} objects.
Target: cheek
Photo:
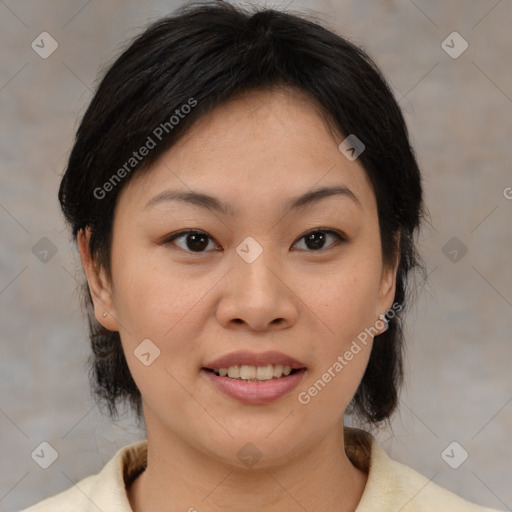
[
  {"x": 344, "y": 344},
  {"x": 346, "y": 307},
  {"x": 152, "y": 303},
  {"x": 155, "y": 304},
  {"x": 347, "y": 301},
  {"x": 150, "y": 299}
]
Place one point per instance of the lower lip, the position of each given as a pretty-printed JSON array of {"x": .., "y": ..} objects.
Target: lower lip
[{"x": 263, "y": 392}]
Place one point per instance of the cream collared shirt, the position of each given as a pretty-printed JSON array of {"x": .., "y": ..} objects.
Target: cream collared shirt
[{"x": 390, "y": 487}]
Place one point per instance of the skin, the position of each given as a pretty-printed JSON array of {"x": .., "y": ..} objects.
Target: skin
[{"x": 254, "y": 152}]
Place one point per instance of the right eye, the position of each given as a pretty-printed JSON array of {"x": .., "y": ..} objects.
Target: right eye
[{"x": 194, "y": 241}]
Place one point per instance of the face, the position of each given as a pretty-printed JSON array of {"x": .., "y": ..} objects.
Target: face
[{"x": 259, "y": 276}]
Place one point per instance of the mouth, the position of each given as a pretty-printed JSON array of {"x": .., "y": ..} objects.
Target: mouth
[
  {"x": 250, "y": 365},
  {"x": 255, "y": 378}
]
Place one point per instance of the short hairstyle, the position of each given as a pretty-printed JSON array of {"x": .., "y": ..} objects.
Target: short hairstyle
[{"x": 202, "y": 55}]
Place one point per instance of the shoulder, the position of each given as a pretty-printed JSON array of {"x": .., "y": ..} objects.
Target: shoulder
[
  {"x": 415, "y": 492},
  {"x": 393, "y": 486},
  {"x": 105, "y": 490},
  {"x": 74, "y": 498}
]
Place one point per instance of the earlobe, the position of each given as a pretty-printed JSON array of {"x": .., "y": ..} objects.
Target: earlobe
[
  {"x": 99, "y": 285},
  {"x": 385, "y": 321}
]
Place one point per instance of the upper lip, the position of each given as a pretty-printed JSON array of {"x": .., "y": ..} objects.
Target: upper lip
[{"x": 254, "y": 359}]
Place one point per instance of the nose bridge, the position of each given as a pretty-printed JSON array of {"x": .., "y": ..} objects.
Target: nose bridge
[
  {"x": 257, "y": 293},
  {"x": 257, "y": 268}
]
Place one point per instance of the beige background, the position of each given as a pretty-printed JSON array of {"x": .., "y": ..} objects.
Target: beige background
[{"x": 459, "y": 345}]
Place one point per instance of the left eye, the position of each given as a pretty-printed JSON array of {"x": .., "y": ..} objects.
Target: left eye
[
  {"x": 316, "y": 239},
  {"x": 197, "y": 241}
]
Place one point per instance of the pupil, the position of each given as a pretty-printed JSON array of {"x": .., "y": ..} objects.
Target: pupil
[
  {"x": 198, "y": 241},
  {"x": 317, "y": 244}
]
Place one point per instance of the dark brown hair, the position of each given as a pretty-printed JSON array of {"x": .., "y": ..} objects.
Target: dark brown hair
[{"x": 209, "y": 52}]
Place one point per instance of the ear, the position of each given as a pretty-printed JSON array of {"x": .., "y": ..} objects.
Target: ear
[
  {"x": 388, "y": 281},
  {"x": 99, "y": 285}
]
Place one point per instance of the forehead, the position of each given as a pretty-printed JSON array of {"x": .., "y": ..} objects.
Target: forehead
[{"x": 257, "y": 149}]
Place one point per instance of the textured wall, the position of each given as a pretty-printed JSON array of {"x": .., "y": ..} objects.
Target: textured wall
[{"x": 458, "y": 356}]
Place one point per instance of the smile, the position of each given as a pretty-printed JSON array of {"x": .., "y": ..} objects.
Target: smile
[{"x": 252, "y": 390}]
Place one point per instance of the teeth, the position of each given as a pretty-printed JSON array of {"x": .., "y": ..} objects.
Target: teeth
[
  {"x": 254, "y": 373},
  {"x": 278, "y": 370},
  {"x": 264, "y": 372},
  {"x": 234, "y": 372}
]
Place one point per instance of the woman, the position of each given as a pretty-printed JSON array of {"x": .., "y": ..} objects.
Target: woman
[{"x": 245, "y": 200}]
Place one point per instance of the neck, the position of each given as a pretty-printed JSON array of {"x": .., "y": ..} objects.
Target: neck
[{"x": 180, "y": 477}]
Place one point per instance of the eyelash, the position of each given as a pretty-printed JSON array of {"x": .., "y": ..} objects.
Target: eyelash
[{"x": 338, "y": 235}]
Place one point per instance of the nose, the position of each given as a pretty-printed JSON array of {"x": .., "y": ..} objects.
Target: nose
[{"x": 258, "y": 295}]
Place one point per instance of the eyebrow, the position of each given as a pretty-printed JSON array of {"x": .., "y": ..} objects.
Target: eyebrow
[{"x": 216, "y": 205}]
